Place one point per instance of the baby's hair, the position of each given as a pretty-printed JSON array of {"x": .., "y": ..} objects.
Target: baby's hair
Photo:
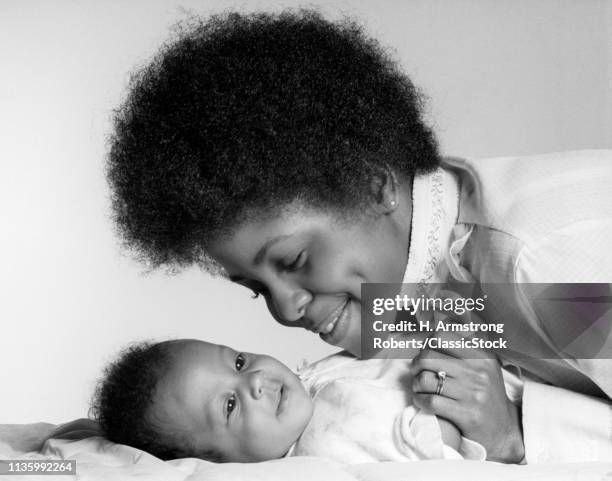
[
  {"x": 124, "y": 397},
  {"x": 242, "y": 115}
]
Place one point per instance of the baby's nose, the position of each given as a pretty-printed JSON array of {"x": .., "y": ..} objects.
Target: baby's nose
[{"x": 262, "y": 382}]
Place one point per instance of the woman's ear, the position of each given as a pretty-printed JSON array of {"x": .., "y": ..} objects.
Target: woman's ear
[{"x": 384, "y": 190}]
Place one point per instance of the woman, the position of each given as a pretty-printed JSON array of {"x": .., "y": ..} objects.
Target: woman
[{"x": 291, "y": 152}]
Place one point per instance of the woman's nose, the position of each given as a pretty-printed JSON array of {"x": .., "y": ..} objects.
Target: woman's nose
[{"x": 291, "y": 306}]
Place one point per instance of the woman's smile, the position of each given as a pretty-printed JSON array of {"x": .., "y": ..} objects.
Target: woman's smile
[
  {"x": 309, "y": 266},
  {"x": 335, "y": 330},
  {"x": 326, "y": 325}
]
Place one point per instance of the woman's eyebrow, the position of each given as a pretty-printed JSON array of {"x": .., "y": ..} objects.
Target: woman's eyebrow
[{"x": 261, "y": 253}]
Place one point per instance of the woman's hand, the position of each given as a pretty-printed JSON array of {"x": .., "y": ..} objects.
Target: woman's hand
[{"x": 473, "y": 398}]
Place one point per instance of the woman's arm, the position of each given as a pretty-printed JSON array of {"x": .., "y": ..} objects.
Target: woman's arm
[{"x": 564, "y": 426}]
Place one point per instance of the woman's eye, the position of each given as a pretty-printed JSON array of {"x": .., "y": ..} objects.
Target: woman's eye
[
  {"x": 240, "y": 362},
  {"x": 296, "y": 263},
  {"x": 257, "y": 290},
  {"x": 231, "y": 404}
]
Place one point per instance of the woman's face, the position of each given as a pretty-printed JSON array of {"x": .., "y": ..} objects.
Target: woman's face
[{"x": 309, "y": 266}]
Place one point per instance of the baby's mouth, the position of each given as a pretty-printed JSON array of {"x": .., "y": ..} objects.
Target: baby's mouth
[{"x": 282, "y": 400}]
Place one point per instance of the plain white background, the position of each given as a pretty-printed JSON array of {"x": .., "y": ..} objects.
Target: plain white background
[{"x": 502, "y": 77}]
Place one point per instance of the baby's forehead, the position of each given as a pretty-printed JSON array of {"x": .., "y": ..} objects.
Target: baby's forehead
[
  {"x": 196, "y": 347},
  {"x": 193, "y": 353},
  {"x": 194, "y": 375}
]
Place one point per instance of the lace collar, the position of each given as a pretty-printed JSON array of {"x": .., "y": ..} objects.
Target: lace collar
[{"x": 435, "y": 207}]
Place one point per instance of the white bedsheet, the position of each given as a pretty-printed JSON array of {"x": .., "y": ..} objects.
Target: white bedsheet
[{"x": 101, "y": 460}]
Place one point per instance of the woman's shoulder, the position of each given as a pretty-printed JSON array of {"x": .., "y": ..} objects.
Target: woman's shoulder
[
  {"x": 555, "y": 160},
  {"x": 531, "y": 196},
  {"x": 543, "y": 170}
]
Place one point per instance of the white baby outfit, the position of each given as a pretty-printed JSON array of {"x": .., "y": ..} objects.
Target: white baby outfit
[{"x": 363, "y": 413}]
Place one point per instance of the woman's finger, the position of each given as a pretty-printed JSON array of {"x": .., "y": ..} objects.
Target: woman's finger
[
  {"x": 436, "y": 361},
  {"x": 427, "y": 382},
  {"x": 438, "y": 405}
]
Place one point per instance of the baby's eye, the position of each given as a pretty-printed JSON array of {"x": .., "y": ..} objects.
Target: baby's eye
[
  {"x": 231, "y": 404},
  {"x": 296, "y": 263},
  {"x": 240, "y": 362}
]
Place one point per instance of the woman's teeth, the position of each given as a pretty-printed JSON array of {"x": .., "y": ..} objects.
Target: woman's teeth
[{"x": 330, "y": 327}]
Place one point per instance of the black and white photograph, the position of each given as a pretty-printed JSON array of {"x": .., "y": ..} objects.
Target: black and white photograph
[{"x": 344, "y": 240}]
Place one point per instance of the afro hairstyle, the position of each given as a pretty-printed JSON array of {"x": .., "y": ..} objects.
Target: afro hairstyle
[
  {"x": 240, "y": 115},
  {"x": 124, "y": 397}
]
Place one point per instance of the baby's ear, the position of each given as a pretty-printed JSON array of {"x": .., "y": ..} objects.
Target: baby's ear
[{"x": 384, "y": 190}]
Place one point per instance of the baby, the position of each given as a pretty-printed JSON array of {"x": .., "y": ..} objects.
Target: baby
[{"x": 189, "y": 398}]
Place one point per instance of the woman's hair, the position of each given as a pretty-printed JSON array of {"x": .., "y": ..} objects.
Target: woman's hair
[
  {"x": 124, "y": 397},
  {"x": 241, "y": 115}
]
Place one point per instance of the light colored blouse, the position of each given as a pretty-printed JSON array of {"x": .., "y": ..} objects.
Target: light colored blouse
[{"x": 520, "y": 220}]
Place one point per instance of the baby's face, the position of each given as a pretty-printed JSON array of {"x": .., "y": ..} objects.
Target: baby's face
[{"x": 248, "y": 407}]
